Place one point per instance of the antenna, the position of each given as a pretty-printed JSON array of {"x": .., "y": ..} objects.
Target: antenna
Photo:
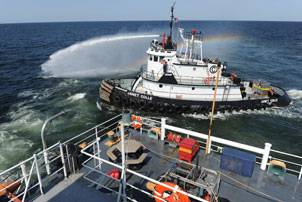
[{"x": 172, "y": 19}]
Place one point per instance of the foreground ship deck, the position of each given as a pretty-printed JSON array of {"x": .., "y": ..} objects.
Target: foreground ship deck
[{"x": 86, "y": 183}]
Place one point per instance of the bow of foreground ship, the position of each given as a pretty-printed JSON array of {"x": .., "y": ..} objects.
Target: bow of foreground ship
[
  {"x": 177, "y": 78},
  {"x": 134, "y": 158}
]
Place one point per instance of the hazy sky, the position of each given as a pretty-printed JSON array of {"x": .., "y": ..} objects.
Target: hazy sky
[{"x": 98, "y": 10}]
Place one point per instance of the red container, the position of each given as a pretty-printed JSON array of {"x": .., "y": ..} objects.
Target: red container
[{"x": 188, "y": 148}]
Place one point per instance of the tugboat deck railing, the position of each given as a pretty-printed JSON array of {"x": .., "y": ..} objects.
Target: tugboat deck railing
[
  {"x": 189, "y": 80},
  {"x": 31, "y": 173}
]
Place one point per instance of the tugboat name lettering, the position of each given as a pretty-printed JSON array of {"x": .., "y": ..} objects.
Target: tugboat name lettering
[
  {"x": 270, "y": 101},
  {"x": 146, "y": 97},
  {"x": 133, "y": 94}
]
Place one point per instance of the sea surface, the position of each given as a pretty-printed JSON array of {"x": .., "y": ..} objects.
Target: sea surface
[{"x": 49, "y": 67}]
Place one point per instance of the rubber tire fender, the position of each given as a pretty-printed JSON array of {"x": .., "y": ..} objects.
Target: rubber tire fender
[{"x": 117, "y": 99}]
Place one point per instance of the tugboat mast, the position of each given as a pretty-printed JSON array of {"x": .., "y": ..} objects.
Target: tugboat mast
[{"x": 172, "y": 19}]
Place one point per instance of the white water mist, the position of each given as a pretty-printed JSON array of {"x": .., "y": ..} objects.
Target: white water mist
[{"x": 99, "y": 57}]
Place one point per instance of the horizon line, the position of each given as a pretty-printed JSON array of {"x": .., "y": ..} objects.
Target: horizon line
[{"x": 188, "y": 20}]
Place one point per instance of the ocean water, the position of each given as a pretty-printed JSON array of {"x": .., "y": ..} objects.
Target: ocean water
[{"x": 49, "y": 67}]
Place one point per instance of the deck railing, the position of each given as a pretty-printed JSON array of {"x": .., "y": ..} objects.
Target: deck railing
[
  {"x": 263, "y": 155},
  {"x": 217, "y": 144},
  {"x": 32, "y": 176},
  {"x": 97, "y": 168},
  {"x": 188, "y": 80}
]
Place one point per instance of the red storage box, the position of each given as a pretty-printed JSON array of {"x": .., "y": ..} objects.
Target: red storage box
[{"x": 188, "y": 148}]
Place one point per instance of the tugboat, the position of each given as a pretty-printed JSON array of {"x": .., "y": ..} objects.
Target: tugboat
[{"x": 178, "y": 79}]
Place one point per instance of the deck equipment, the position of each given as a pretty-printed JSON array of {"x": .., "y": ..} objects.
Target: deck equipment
[
  {"x": 187, "y": 150},
  {"x": 200, "y": 180}
]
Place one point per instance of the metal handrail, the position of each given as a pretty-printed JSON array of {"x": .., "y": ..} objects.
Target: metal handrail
[
  {"x": 175, "y": 189},
  {"x": 38, "y": 176},
  {"x": 287, "y": 154},
  {"x": 189, "y": 80},
  {"x": 252, "y": 149},
  {"x": 92, "y": 129},
  {"x": 30, "y": 180},
  {"x": 33, "y": 179}
]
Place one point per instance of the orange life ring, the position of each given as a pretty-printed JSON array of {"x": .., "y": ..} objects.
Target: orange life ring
[
  {"x": 136, "y": 125},
  {"x": 136, "y": 118},
  {"x": 170, "y": 137},
  {"x": 169, "y": 194}
]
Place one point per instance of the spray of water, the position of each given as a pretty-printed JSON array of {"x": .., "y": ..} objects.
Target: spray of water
[{"x": 99, "y": 57}]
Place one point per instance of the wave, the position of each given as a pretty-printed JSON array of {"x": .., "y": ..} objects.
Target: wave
[
  {"x": 97, "y": 57},
  {"x": 295, "y": 94},
  {"x": 286, "y": 113},
  {"x": 14, "y": 140},
  {"x": 294, "y": 110},
  {"x": 12, "y": 147}
]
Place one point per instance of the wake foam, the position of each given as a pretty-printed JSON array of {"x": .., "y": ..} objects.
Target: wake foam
[
  {"x": 99, "y": 57},
  {"x": 294, "y": 110},
  {"x": 295, "y": 94},
  {"x": 76, "y": 97},
  {"x": 286, "y": 113}
]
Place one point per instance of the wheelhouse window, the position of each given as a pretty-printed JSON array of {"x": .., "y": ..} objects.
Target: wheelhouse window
[
  {"x": 161, "y": 58},
  {"x": 155, "y": 58}
]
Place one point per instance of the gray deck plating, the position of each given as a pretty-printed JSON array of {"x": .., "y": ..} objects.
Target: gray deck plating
[{"x": 75, "y": 188}]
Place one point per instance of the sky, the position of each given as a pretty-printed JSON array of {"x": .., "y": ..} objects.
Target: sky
[{"x": 16, "y": 11}]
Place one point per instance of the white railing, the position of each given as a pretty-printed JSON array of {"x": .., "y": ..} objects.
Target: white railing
[
  {"x": 263, "y": 154},
  {"x": 90, "y": 133},
  {"x": 189, "y": 80},
  {"x": 32, "y": 176},
  {"x": 32, "y": 180},
  {"x": 32, "y": 173},
  {"x": 294, "y": 162},
  {"x": 95, "y": 156}
]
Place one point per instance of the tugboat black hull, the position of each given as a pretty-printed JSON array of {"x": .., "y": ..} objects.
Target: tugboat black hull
[{"x": 120, "y": 97}]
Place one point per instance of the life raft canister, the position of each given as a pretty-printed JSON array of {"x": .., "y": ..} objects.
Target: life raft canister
[{"x": 169, "y": 194}]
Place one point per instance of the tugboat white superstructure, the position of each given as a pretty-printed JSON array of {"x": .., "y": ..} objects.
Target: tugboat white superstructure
[{"x": 178, "y": 78}]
